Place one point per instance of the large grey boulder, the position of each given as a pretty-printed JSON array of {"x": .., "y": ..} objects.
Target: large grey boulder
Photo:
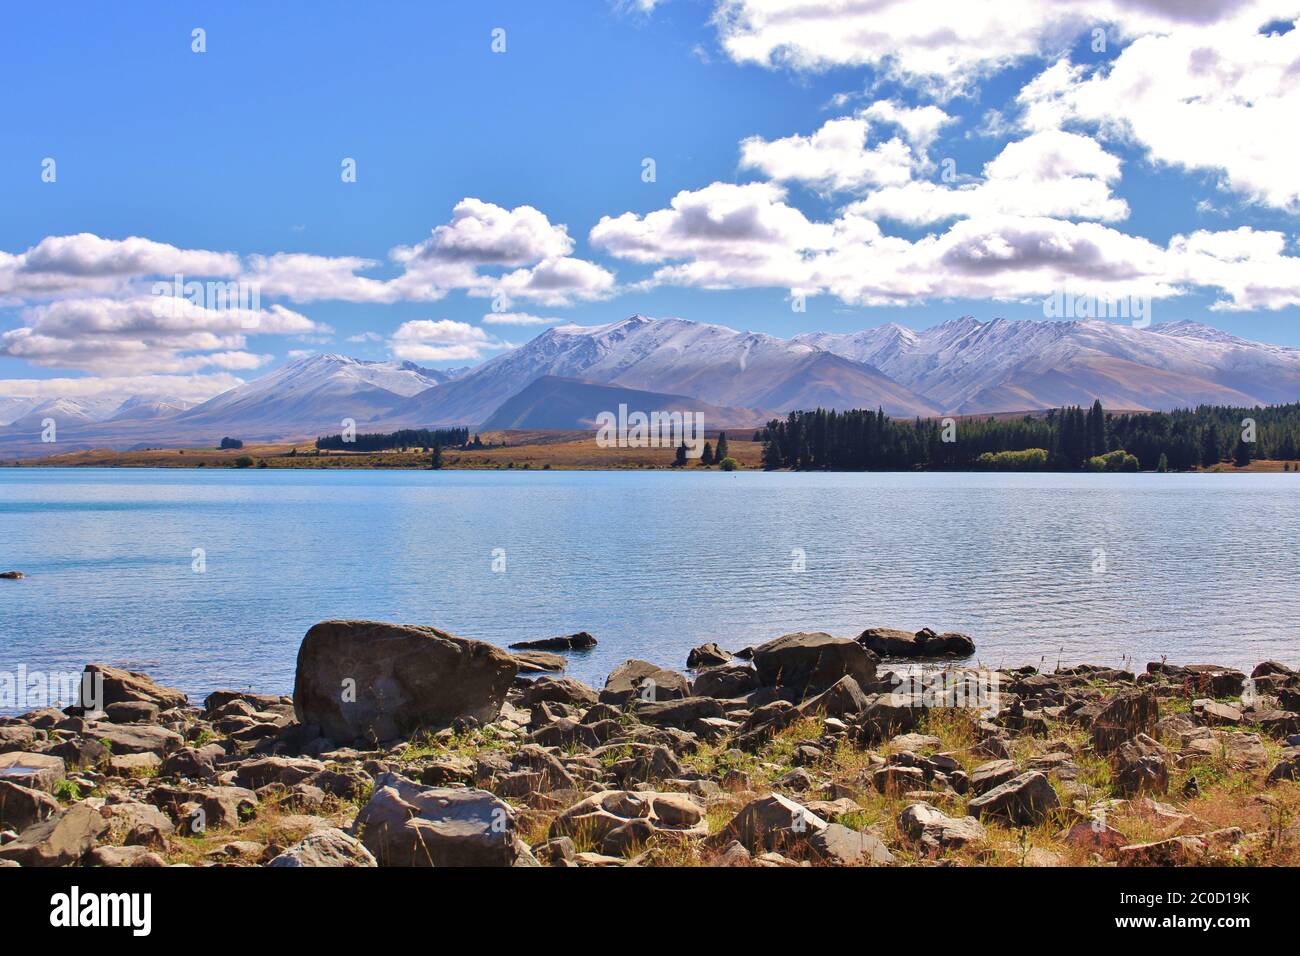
[
  {"x": 371, "y": 681},
  {"x": 813, "y": 662},
  {"x": 406, "y": 824}
]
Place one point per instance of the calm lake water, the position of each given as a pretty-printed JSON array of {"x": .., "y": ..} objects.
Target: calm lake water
[{"x": 1075, "y": 568}]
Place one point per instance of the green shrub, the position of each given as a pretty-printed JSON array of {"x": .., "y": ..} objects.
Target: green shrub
[
  {"x": 244, "y": 461},
  {"x": 1030, "y": 459},
  {"x": 1118, "y": 460},
  {"x": 728, "y": 464}
]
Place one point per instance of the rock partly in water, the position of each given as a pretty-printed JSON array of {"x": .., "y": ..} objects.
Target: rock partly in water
[
  {"x": 811, "y": 663},
  {"x": 370, "y": 681},
  {"x": 580, "y": 641},
  {"x": 891, "y": 642},
  {"x": 707, "y": 655},
  {"x": 123, "y": 686}
]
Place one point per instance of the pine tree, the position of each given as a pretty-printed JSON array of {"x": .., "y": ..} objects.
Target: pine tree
[
  {"x": 722, "y": 451},
  {"x": 1241, "y": 454},
  {"x": 1210, "y": 453},
  {"x": 680, "y": 460},
  {"x": 1163, "y": 465},
  {"x": 435, "y": 457},
  {"x": 706, "y": 458},
  {"x": 1096, "y": 429},
  {"x": 772, "y": 454}
]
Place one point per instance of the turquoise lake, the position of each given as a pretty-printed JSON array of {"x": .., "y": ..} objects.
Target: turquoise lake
[{"x": 1042, "y": 568}]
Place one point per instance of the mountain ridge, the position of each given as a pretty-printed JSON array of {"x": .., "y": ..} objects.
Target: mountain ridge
[{"x": 964, "y": 366}]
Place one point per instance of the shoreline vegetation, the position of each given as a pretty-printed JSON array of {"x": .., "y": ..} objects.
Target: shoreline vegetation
[
  {"x": 1206, "y": 439},
  {"x": 812, "y": 750}
]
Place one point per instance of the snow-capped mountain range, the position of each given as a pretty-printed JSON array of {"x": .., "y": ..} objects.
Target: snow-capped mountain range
[
  {"x": 964, "y": 366},
  {"x": 708, "y": 362},
  {"x": 968, "y": 366}
]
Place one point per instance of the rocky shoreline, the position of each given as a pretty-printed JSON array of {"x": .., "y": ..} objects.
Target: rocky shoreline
[{"x": 409, "y": 746}]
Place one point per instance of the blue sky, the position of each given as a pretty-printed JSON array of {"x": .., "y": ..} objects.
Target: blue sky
[{"x": 238, "y": 150}]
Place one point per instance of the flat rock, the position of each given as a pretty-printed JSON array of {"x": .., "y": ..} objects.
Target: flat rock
[
  {"x": 538, "y": 662},
  {"x": 992, "y": 774},
  {"x": 1176, "y": 851},
  {"x": 406, "y": 824},
  {"x": 327, "y": 847},
  {"x": 678, "y": 713},
  {"x": 111, "y": 856},
  {"x": 135, "y": 738},
  {"x": 1212, "y": 713},
  {"x": 62, "y": 840},
  {"x": 134, "y": 765},
  {"x": 725, "y": 682},
  {"x": 132, "y": 712},
  {"x": 840, "y": 846},
  {"x": 37, "y": 771},
  {"x": 255, "y": 774},
  {"x": 120, "y": 686}
]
